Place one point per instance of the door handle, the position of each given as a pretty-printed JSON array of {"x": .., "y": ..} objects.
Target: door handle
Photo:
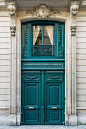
[
  {"x": 31, "y": 107},
  {"x": 54, "y": 107}
]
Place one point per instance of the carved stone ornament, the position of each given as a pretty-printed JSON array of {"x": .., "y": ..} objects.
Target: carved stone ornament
[
  {"x": 12, "y": 12},
  {"x": 73, "y": 30},
  {"x": 12, "y": 8},
  {"x": 42, "y": 11},
  {"x": 12, "y": 30},
  {"x": 74, "y": 7}
]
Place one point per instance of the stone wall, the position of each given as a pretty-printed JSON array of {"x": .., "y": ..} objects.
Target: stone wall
[
  {"x": 4, "y": 66},
  {"x": 81, "y": 66}
]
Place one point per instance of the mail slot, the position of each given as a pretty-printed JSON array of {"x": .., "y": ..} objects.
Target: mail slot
[{"x": 54, "y": 107}]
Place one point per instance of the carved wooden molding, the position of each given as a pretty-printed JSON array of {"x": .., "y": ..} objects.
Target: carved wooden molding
[
  {"x": 11, "y": 6},
  {"x": 54, "y": 77},
  {"x": 31, "y": 77},
  {"x": 74, "y": 7}
]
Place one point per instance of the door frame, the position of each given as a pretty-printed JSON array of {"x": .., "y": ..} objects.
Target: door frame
[{"x": 61, "y": 18}]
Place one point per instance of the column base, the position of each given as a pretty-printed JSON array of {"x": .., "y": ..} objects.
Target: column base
[
  {"x": 12, "y": 120},
  {"x": 73, "y": 120}
]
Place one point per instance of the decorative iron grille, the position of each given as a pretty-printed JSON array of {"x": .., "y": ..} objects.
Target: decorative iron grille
[{"x": 43, "y": 50}]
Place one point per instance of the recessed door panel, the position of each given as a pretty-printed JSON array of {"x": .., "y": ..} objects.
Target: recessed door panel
[
  {"x": 31, "y": 97},
  {"x": 54, "y": 98},
  {"x": 32, "y": 110},
  {"x": 53, "y": 116},
  {"x": 53, "y": 94}
]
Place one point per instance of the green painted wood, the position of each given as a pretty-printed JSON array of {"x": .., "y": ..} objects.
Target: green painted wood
[
  {"x": 43, "y": 77},
  {"x": 54, "y": 96},
  {"x": 42, "y": 35},
  {"x": 58, "y": 39},
  {"x": 42, "y": 108},
  {"x": 31, "y": 98}
]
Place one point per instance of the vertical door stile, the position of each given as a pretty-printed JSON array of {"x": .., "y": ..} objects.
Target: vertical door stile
[
  {"x": 22, "y": 98},
  {"x": 29, "y": 39},
  {"x": 42, "y": 35},
  {"x": 42, "y": 107}
]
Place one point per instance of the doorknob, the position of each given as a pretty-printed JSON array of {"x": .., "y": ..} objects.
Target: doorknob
[
  {"x": 31, "y": 107},
  {"x": 54, "y": 107}
]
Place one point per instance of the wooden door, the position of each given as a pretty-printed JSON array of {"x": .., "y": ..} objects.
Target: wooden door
[
  {"x": 54, "y": 97},
  {"x": 43, "y": 72},
  {"x": 31, "y": 97}
]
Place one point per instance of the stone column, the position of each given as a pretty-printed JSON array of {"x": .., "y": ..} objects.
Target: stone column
[
  {"x": 11, "y": 6},
  {"x": 73, "y": 12}
]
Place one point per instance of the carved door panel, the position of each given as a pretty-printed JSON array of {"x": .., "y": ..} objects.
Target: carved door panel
[
  {"x": 54, "y": 97},
  {"x": 31, "y": 97},
  {"x": 42, "y": 97}
]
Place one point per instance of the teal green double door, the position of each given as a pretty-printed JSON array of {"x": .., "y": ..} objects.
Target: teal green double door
[
  {"x": 43, "y": 72},
  {"x": 43, "y": 97}
]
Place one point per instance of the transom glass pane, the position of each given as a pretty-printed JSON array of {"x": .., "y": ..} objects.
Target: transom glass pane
[
  {"x": 37, "y": 35},
  {"x": 42, "y": 35},
  {"x": 48, "y": 35}
]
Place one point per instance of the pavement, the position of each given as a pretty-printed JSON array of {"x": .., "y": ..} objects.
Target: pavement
[{"x": 43, "y": 127}]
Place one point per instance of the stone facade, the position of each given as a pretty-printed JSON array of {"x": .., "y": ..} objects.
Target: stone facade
[{"x": 11, "y": 17}]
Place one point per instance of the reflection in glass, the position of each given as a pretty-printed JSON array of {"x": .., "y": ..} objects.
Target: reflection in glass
[
  {"x": 37, "y": 35},
  {"x": 48, "y": 35}
]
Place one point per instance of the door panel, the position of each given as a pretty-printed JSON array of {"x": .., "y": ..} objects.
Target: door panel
[
  {"x": 43, "y": 97},
  {"x": 53, "y": 117},
  {"x": 32, "y": 98},
  {"x": 32, "y": 106},
  {"x": 54, "y": 99}
]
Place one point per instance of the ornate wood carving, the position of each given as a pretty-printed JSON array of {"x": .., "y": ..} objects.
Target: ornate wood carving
[
  {"x": 54, "y": 77},
  {"x": 43, "y": 65},
  {"x": 43, "y": 50},
  {"x": 25, "y": 48},
  {"x": 33, "y": 77}
]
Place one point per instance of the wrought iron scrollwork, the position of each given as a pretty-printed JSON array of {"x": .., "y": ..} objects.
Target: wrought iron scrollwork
[{"x": 43, "y": 50}]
